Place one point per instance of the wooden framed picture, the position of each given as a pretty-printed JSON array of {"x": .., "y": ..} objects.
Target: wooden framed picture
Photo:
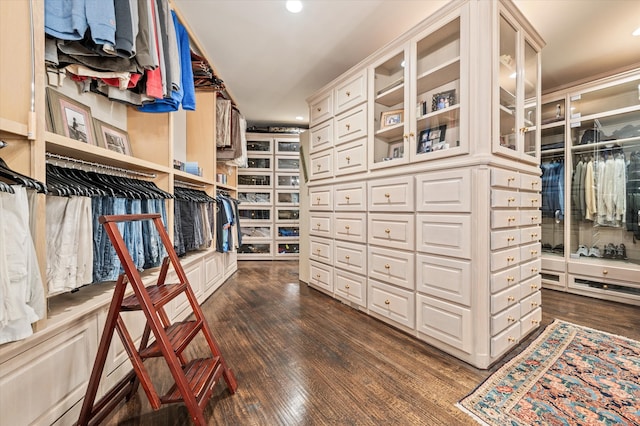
[
  {"x": 112, "y": 138},
  {"x": 432, "y": 139},
  {"x": 396, "y": 150},
  {"x": 443, "y": 100},
  {"x": 391, "y": 118},
  {"x": 70, "y": 118}
]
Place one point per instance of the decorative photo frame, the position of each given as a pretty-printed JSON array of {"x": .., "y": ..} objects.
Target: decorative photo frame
[
  {"x": 396, "y": 150},
  {"x": 112, "y": 138},
  {"x": 443, "y": 100},
  {"x": 391, "y": 118},
  {"x": 432, "y": 139},
  {"x": 70, "y": 118}
]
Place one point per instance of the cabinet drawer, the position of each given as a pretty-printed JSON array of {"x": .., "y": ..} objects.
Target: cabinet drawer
[
  {"x": 446, "y": 322},
  {"x": 530, "y": 182},
  {"x": 351, "y": 92},
  {"x": 504, "y": 279},
  {"x": 320, "y": 224},
  {"x": 504, "y": 198},
  {"x": 351, "y": 256},
  {"x": 351, "y": 125},
  {"x": 505, "y": 178},
  {"x": 530, "y": 269},
  {"x": 505, "y": 319},
  {"x": 530, "y": 252},
  {"x": 321, "y": 108},
  {"x": 391, "y": 230},
  {"x": 321, "y": 250},
  {"x": 506, "y": 238},
  {"x": 446, "y": 278},
  {"x": 392, "y": 266},
  {"x": 448, "y": 191},
  {"x": 530, "y": 303},
  {"x": 530, "y": 217},
  {"x": 391, "y": 302},
  {"x": 321, "y": 165},
  {"x": 320, "y": 198},
  {"x": 530, "y": 321},
  {"x": 556, "y": 264},
  {"x": 530, "y": 200},
  {"x": 505, "y": 340},
  {"x": 350, "y": 197},
  {"x": 321, "y": 137},
  {"x": 351, "y": 157},
  {"x": 604, "y": 270},
  {"x": 351, "y": 287},
  {"x": 505, "y": 258},
  {"x": 530, "y": 286},
  {"x": 504, "y": 299},
  {"x": 444, "y": 234},
  {"x": 504, "y": 219},
  {"x": 321, "y": 276},
  {"x": 394, "y": 194},
  {"x": 530, "y": 234},
  {"x": 351, "y": 226}
]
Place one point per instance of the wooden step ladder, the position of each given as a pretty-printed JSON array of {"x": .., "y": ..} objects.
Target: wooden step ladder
[{"x": 195, "y": 378}]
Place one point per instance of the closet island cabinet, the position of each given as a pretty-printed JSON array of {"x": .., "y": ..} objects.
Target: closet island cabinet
[
  {"x": 438, "y": 233},
  {"x": 43, "y": 377}
]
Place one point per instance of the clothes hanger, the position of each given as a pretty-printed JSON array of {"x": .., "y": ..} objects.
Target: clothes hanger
[{"x": 18, "y": 178}]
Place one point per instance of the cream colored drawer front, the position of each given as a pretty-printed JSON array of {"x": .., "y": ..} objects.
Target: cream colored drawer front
[
  {"x": 320, "y": 198},
  {"x": 351, "y": 92},
  {"x": 503, "y": 279},
  {"x": 530, "y": 252},
  {"x": 444, "y": 191},
  {"x": 351, "y": 125},
  {"x": 444, "y": 234},
  {"x": 505, "y": 258},
  {"x": 504, "y": 219},
  {"x": 391, "y": 230},
  {"x": 530, "y": 269},
  {"x": 530, "y": 321},
  {"x": 505, "y": 340},
  {"x": 351, "y": 157},
  {"x": 393, "y": 194},
  {"x": 604, "y": 270},
  {"x": 530, "y": 200},
  {"x": 321, "y": 137},
  {"x": 351, "y": 226},
  {"x": 530, "y": 286},
  {"x": 553, "y": 263},
  {"x": 530, "y": 217},
  {"x": 530, "y": 303},
  {"x": 530, "y": 182},
  {"x": 446, "y": 322},
  {"x": 505, "y": 178},
  {"x": 321, "y": 165},
  {"x": 321, "y": 109},
  {"x": 530, "y": 234},
  {"x": 350, "y": 197},
  {"x": 320, "y": 224},
  {"x": 392, "y": 266},
  {"x": 505, "y": 319},
  {"x": 504, "y": 299},
  {"x": 446, "y": 278},
  {"x": 391, "y": 302},
  {"x": 351, "y": 287},
  {"x": 504, "y": 198},
  {"x": 351, "y": 256},
  {"x": 504, "y": 239},
  {"x": 321, "y": 249},
  {"x": 321, "y": 276}
]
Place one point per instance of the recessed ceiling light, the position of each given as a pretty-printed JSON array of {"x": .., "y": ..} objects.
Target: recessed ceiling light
[
  {"x": 636, "y": 32},
  {"x": 299, "y": 118},
  {"x": 294, "y": 6}
]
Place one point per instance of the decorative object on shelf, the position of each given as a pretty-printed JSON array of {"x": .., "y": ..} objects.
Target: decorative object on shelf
[
  {"x": 432, "y": 139},
  {"x": 530, "y": 388},
  {"x": 112, "y": 138},
  {"x": 391, "y": 118},
  {"x": 70, "y": 118},
  {"x": 396, "y": 150},
  {"x": 443, "y": 100}
]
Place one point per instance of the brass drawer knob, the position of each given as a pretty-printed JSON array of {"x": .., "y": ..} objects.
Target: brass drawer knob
[
  {"x": 534, "y": 235},
  {"x": 534, "y": 218},
  {"x": 605, "y": 272},
  {"x": 318, "y": 276},
  {"x": 319, "y": 167},
  {"x": 511, "y": 219},
  {"x": 387, "y": 195},
  {"x": 346, "y": 197},
  {"x": 318, "y": 200},
  {"x": 510, "y": 258},
  {"x": 347, "y": 286},
  {"x": 348, "y": 126},
  {"x": 510, "y": 200},
  {"x": 387, "y": 266},
  {"x": 387, "y": 302},
  {"x": 511, "y": 238},
  {"x": 534, "y": 286},
  {"x": 348, "y": 159},
  {"x": 318, "y": 225},
  {"x": 318, "y": 138},
  {"x": 512, "y": 339},
  {"x": 388, "y": 231},
  {"x": 534, "y": 270},
  {"x": 319, "y": 109},
  {"x": 318, "y": 250},
  {"x": 511, "y": 319},
  {"x": 511, "y": 299},
  {"x": 347, "y": 257},
  {"x": 534, "y": 252},
  {"x": 510, "y": 278},
  {"x": 535, "y": 322},
  {"x": 510, "y": 179},
  {"x": 347, "y": 227},
  {"x": 534, "y": 304}
]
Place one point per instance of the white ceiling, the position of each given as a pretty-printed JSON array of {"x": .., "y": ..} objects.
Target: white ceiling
[{"x": 272, "y": 60}]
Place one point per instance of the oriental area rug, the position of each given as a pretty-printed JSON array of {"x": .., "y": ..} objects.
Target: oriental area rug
[{"x": 569, "y": 375}]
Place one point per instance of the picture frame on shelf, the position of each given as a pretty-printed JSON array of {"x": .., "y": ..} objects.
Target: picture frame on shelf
[
  {"x": 112, "y": 138},
  {"x": 70, "y": 118},
  {"x": 432, "y": 139},
  {"x": 391, "y": 118},
  {"x": 396, "y": 150},
  {"x": 443, "y": 100}
]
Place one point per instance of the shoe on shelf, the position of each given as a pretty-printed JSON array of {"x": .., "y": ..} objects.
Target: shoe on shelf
[
  {"x": 559, "y": 248},
  {"x": 621, "y": 252},
  {"x": 595, "y": 252},
  {"x": 547, "y": 247},
  {"x": 609, "y": 251},
  {"x": 582, "y": 251}
]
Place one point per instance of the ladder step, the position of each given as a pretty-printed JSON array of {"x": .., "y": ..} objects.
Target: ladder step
[
  {"x": 179, "y": 333},
  {"x": 159, "y": 294},
  {"x": 201, "y": 374}
]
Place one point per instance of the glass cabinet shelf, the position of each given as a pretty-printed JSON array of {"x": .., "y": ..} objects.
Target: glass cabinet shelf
[{"x": 611, "y": 99}]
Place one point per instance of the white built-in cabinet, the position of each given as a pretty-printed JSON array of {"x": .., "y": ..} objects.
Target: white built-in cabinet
[
  {"x": 424, "y": 182},
  {"x": 43, "y": 378}
]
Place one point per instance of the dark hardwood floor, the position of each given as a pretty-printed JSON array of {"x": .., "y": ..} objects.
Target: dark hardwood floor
[{"x": 303, "y": 358}]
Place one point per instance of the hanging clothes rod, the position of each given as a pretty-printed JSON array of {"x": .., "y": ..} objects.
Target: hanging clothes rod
[
  {"x": 100, "y": 166},
  {"x": 184, "y": 184}
]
